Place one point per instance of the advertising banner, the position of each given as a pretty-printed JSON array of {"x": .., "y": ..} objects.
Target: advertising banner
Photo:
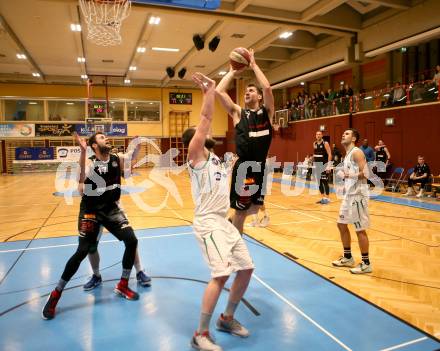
[
  {"x": 34, "y": 153},
  {"x": 54, "y": 130},
  {"x": 22, "y": 130},
  {"x": 71, "y": 153},
  {"x": 113, "y": 129}
]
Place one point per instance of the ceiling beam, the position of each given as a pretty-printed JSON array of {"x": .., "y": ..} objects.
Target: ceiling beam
[
  {"x": 226, "y": 13},
  {"x": 344, "y": 17},
  {"x": 298, "y": 40},
  {"x": 320, "y": 8},
  {"x": 361, "y": 8},
  {"x": 397, "y": 4},
  {"x": 240, "y": 5},
  {"x": 144, "y": 37},
  {"x": 21, "y": 47},
  {"x": 273, "y": 54}
]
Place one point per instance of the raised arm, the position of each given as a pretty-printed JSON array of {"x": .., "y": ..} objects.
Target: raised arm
[
  {"x": 128, "y": 159},
  {"x": 265, "y": 86},
  {"x": 221, "y": 92},
  {"x": 84, "y": 166},
  {"x": 196, "y": 148}
]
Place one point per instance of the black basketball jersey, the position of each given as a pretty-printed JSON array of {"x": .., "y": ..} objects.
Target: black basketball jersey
[
  {"x": 253, "y": 135},
  {"x": 319, "y": 152},
  {"x": 381, "y": 155},
  {"x": 109, "y": 188}
]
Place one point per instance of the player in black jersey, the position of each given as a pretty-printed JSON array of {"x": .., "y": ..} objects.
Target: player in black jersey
[
  {"x": 100, "y": 176},
  {"x": 382, "y": 155},
  {"x": 322, "y": 157},
  {"x": 253, "y": 135}
]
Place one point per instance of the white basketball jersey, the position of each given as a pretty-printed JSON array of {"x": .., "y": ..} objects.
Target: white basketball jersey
[
  {"x": 210, "y": 187},
  {"x": 353, "y": 185}
]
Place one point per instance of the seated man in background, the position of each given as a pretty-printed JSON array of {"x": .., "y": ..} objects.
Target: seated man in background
[{"x": 421, "y": 174}]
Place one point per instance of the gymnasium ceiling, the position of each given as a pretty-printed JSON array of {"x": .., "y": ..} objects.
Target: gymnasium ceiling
[{"x": 40, "y": 29}]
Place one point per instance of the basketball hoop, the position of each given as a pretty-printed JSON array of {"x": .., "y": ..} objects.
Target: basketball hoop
[
  {"x": 104, "y": 19},
  {"x": 98, "y": 125}
]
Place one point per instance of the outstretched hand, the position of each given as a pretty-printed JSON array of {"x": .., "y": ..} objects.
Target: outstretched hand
[
  {"x": 81, "y": 141},
  {"x": 206, "y": 84},
  {"x": 252, "y": 58}
]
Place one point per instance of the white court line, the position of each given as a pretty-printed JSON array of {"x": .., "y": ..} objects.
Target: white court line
[
  {"x": 285, "y": 208},
  {"x": 405, "y": 344},
  {"x": 102, "y": 242},
  {"x": 282, "y": 298}
]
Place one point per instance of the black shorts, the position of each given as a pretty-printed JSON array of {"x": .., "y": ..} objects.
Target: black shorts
[
  {"x": 243, "y": 199},
  {"x": 91, "y": 221}
]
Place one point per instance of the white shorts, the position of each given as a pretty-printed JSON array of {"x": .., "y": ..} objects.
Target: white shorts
[
  {"x": 223, "y": 248},
  {"x": 354, "y": 210}
]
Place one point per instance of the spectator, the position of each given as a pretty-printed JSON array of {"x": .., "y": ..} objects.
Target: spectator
[
  {"x": 307, "y": 103},
  {"x": 398, "y": 95},
  {"x": 331, "y": 95},
  {"x": 436, "y": 79},
  {"x": 421, "y": 174},
  {"x": 382, "y": 155},
  {"x": 368, "y": 151},
  {"x": 348, "y": 91}
]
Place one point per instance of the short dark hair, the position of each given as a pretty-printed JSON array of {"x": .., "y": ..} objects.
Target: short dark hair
[
  {"x": 355, "y": 133},
  {"x": 260, "y": 91},
  {"x": 187, "y": 135},
  {"x": 92, "y": 139}
]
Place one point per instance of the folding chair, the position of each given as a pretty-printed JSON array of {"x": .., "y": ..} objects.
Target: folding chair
[{"x": 393, "y": 183}]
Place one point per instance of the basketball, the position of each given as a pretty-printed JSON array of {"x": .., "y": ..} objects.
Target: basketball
[{"x": 239, "y": 58}]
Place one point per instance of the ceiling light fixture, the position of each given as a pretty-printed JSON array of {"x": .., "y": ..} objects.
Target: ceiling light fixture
[
  {"x": 132, "y": 68},
  {"x": 21, "y": 57},
  {"x": 81, "y": 59},
  {"x": 84, "y": 76},
  {"x": 285, "y": 35},
  {"x": 36, "y": 74},
  {"x": 127, "y": 81},
  {"x": 154, "y": 20},
  {"x": 70, "y": 103},
  {"x": 141, "y": 49},
  {"x": 222, "y": 73},
  {"x": 165, "y": 49},
  {"x": 32, "y": 103},
  {"x": 74, "y": 27}
]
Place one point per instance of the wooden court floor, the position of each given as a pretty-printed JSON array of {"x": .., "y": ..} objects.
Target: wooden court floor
[{"x": 404, "y": 241}]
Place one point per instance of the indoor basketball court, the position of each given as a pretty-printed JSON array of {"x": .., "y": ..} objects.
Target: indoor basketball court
[{"x": 83, "y": 80}]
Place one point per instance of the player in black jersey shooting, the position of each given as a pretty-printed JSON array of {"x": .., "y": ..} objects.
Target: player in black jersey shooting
[{"x": 253, "y": 135}]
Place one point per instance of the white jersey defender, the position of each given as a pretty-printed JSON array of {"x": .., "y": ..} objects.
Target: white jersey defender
[{"x": 223, "y": 248}]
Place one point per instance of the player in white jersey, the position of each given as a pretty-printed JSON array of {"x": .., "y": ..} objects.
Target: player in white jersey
[
  {"x": 354, "y": 207},
  {"x": 222, "y": 246}
]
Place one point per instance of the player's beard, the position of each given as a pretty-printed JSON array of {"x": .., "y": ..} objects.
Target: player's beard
[
  {"x": 104, "y": 150},
  {"x": 209, "y": 143}
]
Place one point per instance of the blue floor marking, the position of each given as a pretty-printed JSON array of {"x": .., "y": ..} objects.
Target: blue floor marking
[{"x": 167, "y": 313}]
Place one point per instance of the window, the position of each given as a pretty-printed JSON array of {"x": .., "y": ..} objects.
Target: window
[
  {"x": 116, "y": 110},
  {"x": 146, "y": 111},
  {"x": 66, "y": 110},
  {"x": 97, "y": 108},
  {"x": 24, "y": 110}
]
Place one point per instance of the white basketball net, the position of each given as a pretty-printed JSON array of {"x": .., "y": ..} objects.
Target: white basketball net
[{"x": 104, "y": 19}]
